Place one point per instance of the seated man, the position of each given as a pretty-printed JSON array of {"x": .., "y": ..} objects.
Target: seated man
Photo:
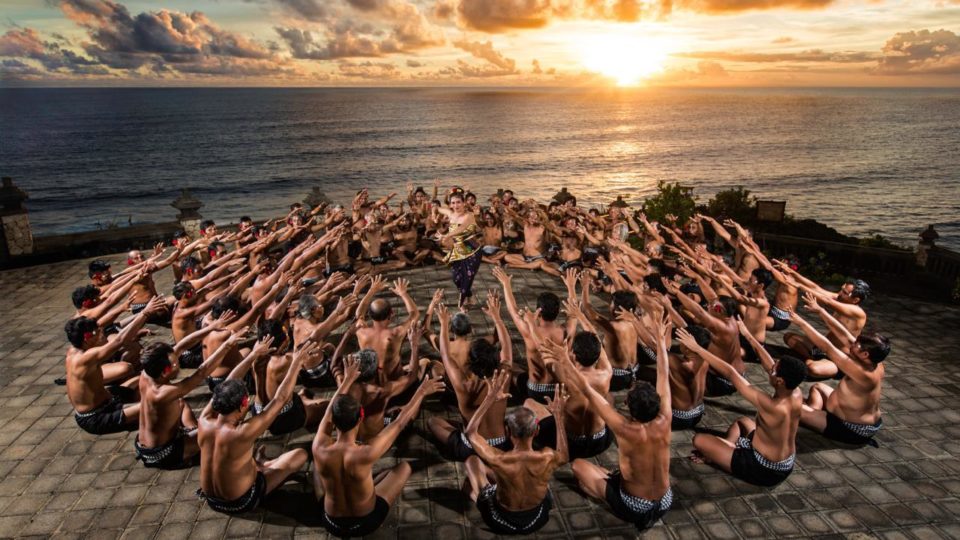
[
  {"x": 762, "y": 451},
  {"x": 168, "y": 430},
  {"x": 467, "y": 364},
  {"x": 851, "y": 413},
  {"x": 232, "y": 479},
  {"x": 300, "y": 410},
  {"x": 519, "y": 502},
  {"x": 352, "y": 501},
  {"x": 587, "y": 434},
  {"x": 639, "y": 492},
  {"x": 100, "y": 409}
]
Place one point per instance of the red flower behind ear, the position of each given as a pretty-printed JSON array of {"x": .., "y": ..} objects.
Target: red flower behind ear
[{"x": 362, "y": 414}]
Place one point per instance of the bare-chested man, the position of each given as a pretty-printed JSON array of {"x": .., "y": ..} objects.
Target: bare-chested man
[
  {"x": 721, "y": 321},
  {"x": 467, "y": 364},
  {"x": 851, "y": 413},
  {"x": 99, "y": 409},
  {"x": 639, "y": 491},
  {"x": 518, "y": 501},
  {"x": 846, "y": 309},
  {"x": 620, "y": 336},
  {"x": 534, "y": 245},
  {"x": 301, "y": 410},
  {"x": 587, "y": 434},
  {"x": 232, "y": 480},
  {"x": 310, "y": 326},
  {"x": 406, "y": 245},
  {"x": 167, "y": 438},
  {"x": 383, "y": 338},
  {"x": 542, "y": 326},
  {"x": 762, "y": 451},
  {"x": 374, "y": 391},
  {"x": 354, "y": 502}
]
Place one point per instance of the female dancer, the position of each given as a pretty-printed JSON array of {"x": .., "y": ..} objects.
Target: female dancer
[{"x": 463, "y": 253}]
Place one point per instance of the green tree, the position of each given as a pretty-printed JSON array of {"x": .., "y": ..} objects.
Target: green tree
[
  {"x": 735, "y": 203},
  {"x": 671, "y": 198}
]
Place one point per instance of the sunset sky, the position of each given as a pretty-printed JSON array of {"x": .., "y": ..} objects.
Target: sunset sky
[{"x": 480, "y": 42}]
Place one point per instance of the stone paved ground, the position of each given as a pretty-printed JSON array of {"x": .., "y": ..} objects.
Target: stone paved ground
[{"x": 56, "y": 480}]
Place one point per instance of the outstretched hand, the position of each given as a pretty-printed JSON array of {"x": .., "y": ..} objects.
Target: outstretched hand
[{"x": 559, "y": 401}]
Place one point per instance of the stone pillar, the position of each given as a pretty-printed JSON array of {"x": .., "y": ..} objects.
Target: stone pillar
[
  {"x": 189, "y": 216},
  {"x": 17, "y": 239},
  {"x": 928, "y": 239}
]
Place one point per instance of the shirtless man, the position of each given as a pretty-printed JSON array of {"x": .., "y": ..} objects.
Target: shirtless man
[
  {"x": 100, "y": 409},
  {"x": 467, "y": 364},
  {"x": 639, "y": 491},
  {"x": 540, "y": 384},
  {"x": 380, "y": 336},
  {"x": 786, "y": 297},
  {"x": 755, "y": 308},
  {"x": 762, "y": 451},
  {"x": 620, "y": 336},
  {"x": 310, "y": 326},
  {"x": 587, "y": 434},
  {"x": 721, "y": 321},
  {"x": 232, "y": 479},
  {"x": 406, "y": 245},
  {"x": 214, "y": 339},
  {"x": 167, "y": 438},
  {"x": 353, "y": 502},
  {"x": 519, "y": 500},
  {"x": 851, "y": 413},
  {"x": 371, "y": 236},
  {"x": 534, "y": 245},
  {"x": 374, "y": 391},
  {"x": 300, "y": 410},
  {"x": 846, "y": 309}
]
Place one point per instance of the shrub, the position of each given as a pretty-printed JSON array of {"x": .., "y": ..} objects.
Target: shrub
[
  {"x": 673, "y": 199},
  {"x": 735, "y": 203},
  {"x": 878, "y": 241}
]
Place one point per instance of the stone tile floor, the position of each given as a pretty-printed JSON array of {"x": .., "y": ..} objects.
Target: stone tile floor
[{"x": 57, "y": 481}]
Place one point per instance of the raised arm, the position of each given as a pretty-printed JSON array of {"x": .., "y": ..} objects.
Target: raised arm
[
  {"x": 324, "y": 431},
  {"x": 496, "y": 391},
  {"x": 558, "y": 355},
  {"x": 384, "y": 440},
  {"x": 725, "y": 370},
  {"x": 765, "y": 359},
  {"x": 837, "y": 356},
  {"x": 836, "y": 327},
  {"x": 492, "y": 310},
  {"x": 183, "y": 387},
  {"x": 506, "y": 281},
  {"x": 193, "y": 339},
  {"x": 452, "y": 370},
  {"x": 413, "y": 312},
  {"x": 377, "y": 284},
  {"x": 255, "y": 427}
]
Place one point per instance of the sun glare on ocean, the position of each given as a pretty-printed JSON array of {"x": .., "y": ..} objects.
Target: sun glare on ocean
[{"x": 628, "y": 58}]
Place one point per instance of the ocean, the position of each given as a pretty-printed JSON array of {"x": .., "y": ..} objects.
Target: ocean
[{"x": 865, "y": 161}]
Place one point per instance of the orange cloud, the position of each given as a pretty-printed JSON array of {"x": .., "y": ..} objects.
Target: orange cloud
[
  {"x": 923, "y": 51},
  {"x": 813, "y": 55},
  {"x": 486, "y": 52}
]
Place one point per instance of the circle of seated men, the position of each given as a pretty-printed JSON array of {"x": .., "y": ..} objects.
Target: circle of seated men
[{"x": 257, "y": 321}]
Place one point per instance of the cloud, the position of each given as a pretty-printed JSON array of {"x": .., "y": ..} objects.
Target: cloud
[
  {"x": 444, "y": 9},
  {"x": 504, "y": 15},
  {"x": 782, "y": 40},
  {"x": 26, "y": 43},
  {"x": 344, "y": 38},
  {"x": 311, "y": 10},
  {"x": 486, "y": 52},
  {"x": 468, "y": 70},
  {"x": 923, "y": 51},
  {"x": 343, "y": 44},
  {"x": 168, "y": 41},
  {"x": 812, "y": 55},
  {"x": 414, "y": 63},
  {"x": 537, "y": 70},
  {"x": 368, "y": 70}
]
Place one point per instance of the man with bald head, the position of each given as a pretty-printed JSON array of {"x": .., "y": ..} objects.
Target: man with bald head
[
  {"x": 519, "y": 501},
  {"x": 380, "y": 336}
]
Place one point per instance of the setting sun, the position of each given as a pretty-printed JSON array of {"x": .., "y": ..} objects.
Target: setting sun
[{"x": 627, "y": 58}]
